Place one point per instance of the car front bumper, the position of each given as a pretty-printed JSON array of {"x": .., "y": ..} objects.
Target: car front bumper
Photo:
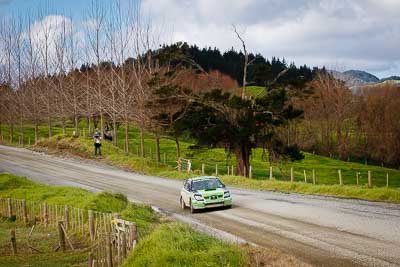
[{"x": 212, "y": 204}]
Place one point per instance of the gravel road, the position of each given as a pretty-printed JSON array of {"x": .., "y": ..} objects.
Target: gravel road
[{"x": 318, "y": 230}]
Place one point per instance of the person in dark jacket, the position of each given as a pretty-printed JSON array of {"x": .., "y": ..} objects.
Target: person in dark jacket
[{"x": 97, "y": 142}]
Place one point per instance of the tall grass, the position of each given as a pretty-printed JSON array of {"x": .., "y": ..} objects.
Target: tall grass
[{"x": 175, "y": 244}]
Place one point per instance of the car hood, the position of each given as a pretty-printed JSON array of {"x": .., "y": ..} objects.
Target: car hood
[{"x": 211, "y": 192}]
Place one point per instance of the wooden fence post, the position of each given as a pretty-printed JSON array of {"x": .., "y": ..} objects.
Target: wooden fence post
[
  {"x": 387, "y": 179},
  {"x": 270, "y": 172},
  {"x": 216, "y": 169},
  {"x": 61, "y": 235},
  {"x": 109, "y": 251},
  {"x": 90, "y": 259},
  {"x": 313, "y": 176},
  {"x": 305, "y": 176},
  {"x": 13, "y": 242},
  {"x": 202, "y": 168},
  {"x": 123, "y": 245},
  {"x": 232, "y": 173},
  {"x": 369, "y": 179},
  {"x": 91, "y": 225},
  {"x": 24, "y": 216},
  {"x": 33, "y": 214},
  {"x": 340, "y": 177},
  {"x": 66, "y": 217},
  {"x": 227, "y": 170},
  {"x": 291, "y": 175},
  {"x": 358, "y": 177},
  {"x": 10, "y": 209},
  {"x": 133, "y": 236},
  {"x": 45, "y": 215},
  {"x": 250, "y": 172}
]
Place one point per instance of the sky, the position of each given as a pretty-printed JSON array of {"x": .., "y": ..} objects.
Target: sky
[{"x": 338, "y": 34}]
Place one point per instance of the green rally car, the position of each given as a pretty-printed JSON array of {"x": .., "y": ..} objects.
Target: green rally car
[{"x": 204, "y": 192}]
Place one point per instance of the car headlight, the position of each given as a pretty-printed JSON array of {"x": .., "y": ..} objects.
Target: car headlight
[
  {"x": 198, "y": 197},
  {"x": 227, "y": 194}
]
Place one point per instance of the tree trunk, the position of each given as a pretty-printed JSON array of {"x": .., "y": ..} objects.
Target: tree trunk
[
  {"x": 49, "y": 125},
  {"x": 101, "y": 124},
  {"x": 142, "y": 147},
  {"x": 64, "y": 125},
  {"x": 36, "y": 133},
  {"x": 115, "y": 132},
  {"x": 21, "y": 131},
  {"x": 126, "y": 135},
  {"x": 90, "y": 125},
  {"x": 11, "y": 132},
  {"x": 157, "y": 139},
  {"x": 178, "y": 148},
  {"x": 242, "y": 153},
  {"x": 76, "y": 125}
]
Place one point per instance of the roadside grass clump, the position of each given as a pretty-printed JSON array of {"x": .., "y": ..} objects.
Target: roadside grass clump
[
  {"x": 176, "y": 244},
  {"x": 141, "y": 214}
]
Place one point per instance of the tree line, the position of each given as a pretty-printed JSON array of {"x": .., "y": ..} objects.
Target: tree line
[{"x": 359, "y": 126}]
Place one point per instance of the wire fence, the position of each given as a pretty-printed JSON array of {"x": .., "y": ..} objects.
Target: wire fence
[{"x": 111, "y": 238}]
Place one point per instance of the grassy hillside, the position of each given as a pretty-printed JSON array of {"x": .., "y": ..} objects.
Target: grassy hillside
[{"x": 326, "y": 168}]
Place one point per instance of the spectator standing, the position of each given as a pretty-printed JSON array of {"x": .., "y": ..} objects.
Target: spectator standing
[{"x": 97, "y": 142}]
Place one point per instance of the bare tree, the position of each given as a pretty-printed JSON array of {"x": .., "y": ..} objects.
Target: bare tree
[
  {"x": 246, "y": 61},
  {"x": 96, "y": 32}
]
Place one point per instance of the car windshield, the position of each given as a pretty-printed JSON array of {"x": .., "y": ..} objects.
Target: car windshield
[{"x": 207, "y": 184}]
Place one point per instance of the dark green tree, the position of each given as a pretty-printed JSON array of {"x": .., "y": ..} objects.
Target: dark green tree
[{"x": 220, "y": 119}]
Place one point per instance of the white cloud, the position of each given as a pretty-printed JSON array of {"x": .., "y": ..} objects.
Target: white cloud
[{"x": 363, "y": 32}]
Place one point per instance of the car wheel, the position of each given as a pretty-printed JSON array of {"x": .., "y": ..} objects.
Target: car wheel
[
  {"x": 192, "y": 209},
  {"x": 183, "y": 206}
]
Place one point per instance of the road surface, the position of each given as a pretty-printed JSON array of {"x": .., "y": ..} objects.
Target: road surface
[{"x": 318, "y": 230}]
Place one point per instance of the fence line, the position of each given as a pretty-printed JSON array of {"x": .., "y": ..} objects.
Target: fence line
[{"x": 111, "y": 237}]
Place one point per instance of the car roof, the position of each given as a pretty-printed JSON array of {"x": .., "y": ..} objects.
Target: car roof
[{"x": 203, "y": 178}]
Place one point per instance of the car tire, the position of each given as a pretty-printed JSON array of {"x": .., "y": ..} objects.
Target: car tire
[
  {"x": 192, "y": 209},
  {"x": 183, "y": 205}
]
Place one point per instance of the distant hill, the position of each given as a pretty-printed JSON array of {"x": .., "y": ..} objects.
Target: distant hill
[
  {"x": 391, "y": 78},
  {"x": 362, "y": 76},
  {"x": 355, "y": 78}
]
